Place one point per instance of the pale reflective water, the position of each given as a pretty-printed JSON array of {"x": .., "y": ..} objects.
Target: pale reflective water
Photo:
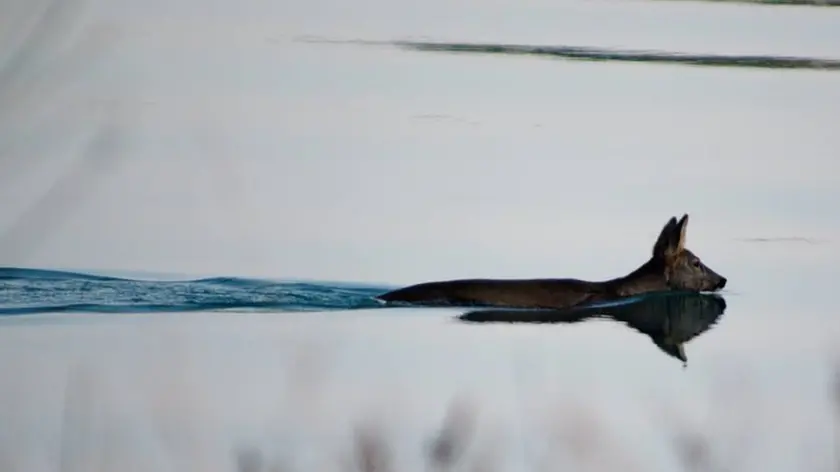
[{"x": 205, "y": 140}]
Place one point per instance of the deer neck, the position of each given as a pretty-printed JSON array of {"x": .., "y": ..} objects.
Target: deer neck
[{"x": 649, "y": 277}]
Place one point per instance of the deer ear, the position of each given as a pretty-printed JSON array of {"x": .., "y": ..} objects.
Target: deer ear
[
  {"x": 666, "y": 238},
  {"x": 682, "y": 225}
]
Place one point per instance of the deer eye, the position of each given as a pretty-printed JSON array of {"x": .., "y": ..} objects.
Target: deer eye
[{"x": 696, "y": 262}]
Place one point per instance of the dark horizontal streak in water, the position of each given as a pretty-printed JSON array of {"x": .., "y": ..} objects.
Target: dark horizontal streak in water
[
  {"x": 810, "y": 3},
  {"x": 602, "y": 54},
  {"x": 788, "y": 239}
]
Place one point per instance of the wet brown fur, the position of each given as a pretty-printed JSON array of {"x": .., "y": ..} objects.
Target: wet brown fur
[{"x": 671, "y": 267}]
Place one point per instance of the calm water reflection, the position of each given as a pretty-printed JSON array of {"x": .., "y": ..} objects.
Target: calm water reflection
[{"x": 669, "y": 319}]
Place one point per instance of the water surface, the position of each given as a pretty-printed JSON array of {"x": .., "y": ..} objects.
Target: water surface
[{"x": 209, "y": 142}]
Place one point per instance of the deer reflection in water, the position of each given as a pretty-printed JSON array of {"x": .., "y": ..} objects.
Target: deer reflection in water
[{"x": 670, "y": 319}]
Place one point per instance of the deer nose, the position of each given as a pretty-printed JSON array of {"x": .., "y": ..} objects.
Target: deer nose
[{"x": 722, "y": 283}]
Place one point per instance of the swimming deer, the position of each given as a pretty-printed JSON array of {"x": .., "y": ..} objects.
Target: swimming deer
[{"x": 671, "y": 267}]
